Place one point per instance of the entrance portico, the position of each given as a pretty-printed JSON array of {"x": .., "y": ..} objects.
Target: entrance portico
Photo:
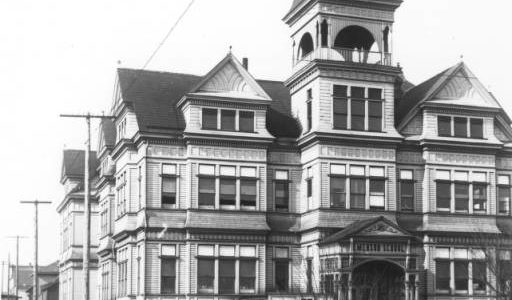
[{"x": 372, "y": 259}]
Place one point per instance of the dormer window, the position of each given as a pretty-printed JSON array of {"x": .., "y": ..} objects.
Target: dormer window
[
  {"x": 461, "y": 127},
  {"x": 228, "y": 120}
]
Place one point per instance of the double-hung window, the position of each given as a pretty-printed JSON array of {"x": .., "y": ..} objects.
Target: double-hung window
[
  {"x": 444, "y": 126},
  {"x": 247, "y": 281},
  {"x": 205, "y": 269},
  {"x": 168, "y": 269},
  {"x": 227, "y": 198},
  {"x": 504, "y": 271},
  {"x": 227, "y": 120},
  {"x": 377, "y": 188},
  {"x": 121, "y": 195},
  {"x": 168, "y": 186},
  {"x": 407, "y": 190},
  {"x": 358, "y": 109},
  {"x": 340, "y": 107},
  {"x": 209, "y": 119},
  {"x": 503, "y": 194},
  {"x": 309, "y": 103},
  {"x": 357, "y": 187},
  {"x": 477, "y": 128},
  {"x": 122, "y": 270},
  {"x": 246, "y": 121},
  {"x": 281, "y": 269},
  {"x": 338, "y": 186},
  {"x": 461, "y": 191},
  {"x": 442, "y": 271},
  {"x": 443, "y": 190},
  {"x": 461, "y": 267},
  {"x": 309, "y": 187},
  {"x": 248, "y": 187},
  {"x": 227, "y": 274},
  {"x": 479, "y": 271},
  {"x": 281, "y": 190},
  {"x": 461, "y": 127},
  {"x": 479, "y": 192},
  {"x": 375, "y": 110},
  {"x": 206, "y": 186}
]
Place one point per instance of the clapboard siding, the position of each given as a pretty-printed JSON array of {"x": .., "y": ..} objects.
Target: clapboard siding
[
  {"x": 183, "y": 191},
  {"x": 152, "y": 268},
  {"x": 153, "y": 185},
  {"x": 324, "y": 184},
  {"x": 261, "y": 268},
  {"x": 262, "y": 189},
  {"x": 269, "y": 267}
]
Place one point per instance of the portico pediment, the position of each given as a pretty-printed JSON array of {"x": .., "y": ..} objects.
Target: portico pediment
[{"x": 374, "y": 227}]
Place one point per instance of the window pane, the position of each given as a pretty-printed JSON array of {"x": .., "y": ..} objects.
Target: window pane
[
  {"x": 247, "y": 251},
  {"x": 377, "y": 171},
  {"x": 169, "y": 169},
  {"x": 247, "y": 172},
  {"x": 479, "y": 197},
  {"x": 477, "y": 128},
  {"x": 375, "y": 94},
  {"x": 227, "y": 120},
  {"x": 168, "y": 191},
  {"x": 227, "y": 250},
  {"x": 227, "y": 192},
  {"x": 340, "y": 91},
  {"x": 406, "y": 174},
  {"x": 461, "y": 176},
  {"x": 461, "y": 197},
  {"x": 407, "y": 195},
  {"x": 504, "y": 179},
  {"x": 205, "y": 275},
  {"x": 444, "y": 126},
  {"x": 248, "y": 193},
  {"x": 206, "y": 191},
  {"x": 358, "y": 114},
  {"x": 375, "y": 116},
  {"x": 357, "y": 170},
  {"x": 207, "y": 170},
  {"x": 168, "y": 267},
  {"x": 443, "y": 195},
  {"x": 338, "y": 192},
  {"x": 209, "y": 118},
  {"x": 460, "y": 127},
  {"x": 504, "y": 200},
  {"x": 357, "y": 193},
  {"x": 282, "y": 253},
  {"x": 281, "y": 175},
  {"x": 461, "y": 275},
  {"x": 443, "y": 253},
  {"x": 246, "y": 121},
  {"x": 168, "y": 250},
  {"x": 340, "y": 109},
  {"x": 247, "y": 276},
  {"x": 377, "y": 188},
  {"x": 281, "y": 195},
  {"x": 338, "y": 169},
  {"x": 281, "y": 275},
  {"x": 442, "y": 175},
  {"x": 227, "y": 171},
  {"x": 479, "y": 276},
  {"x": 443, "y": 275},
  {"x": 479, "y": 176},
  {"x": 357, "y": 92},
  {"x": 309, "y": 115}
]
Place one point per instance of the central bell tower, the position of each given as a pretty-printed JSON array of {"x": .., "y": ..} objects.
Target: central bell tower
[{"x": 342, "y": 50}]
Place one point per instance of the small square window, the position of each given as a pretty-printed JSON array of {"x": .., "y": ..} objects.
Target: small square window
[
  {"x": 377, "y": 171},
  {"x": 168, "y": 169},
  {"x": 248, "y": 172},
  {"x": 247, "y": 251},
  {"x": 205, "y": 250},
  {"x": 461, "y": 254},
  {"x": 406, "y": 175},
  {"x": 282, "y": 253},
  {"x": 442, "y": 175},
  {"x": 443, "y": 253},
  {"x": 479, "y": 176},
  {"x": 461, "y": 176},
  {"x": 227, "y": 250},
  {"x": 375, "y": 94},
  {"x": 504, "y": 179}
]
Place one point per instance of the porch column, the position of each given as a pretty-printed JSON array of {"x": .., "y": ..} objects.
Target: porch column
[
  {"x": 407, "y": 283},
  {"x": 417, "y": 287},
  {"x": 349, "y": 287}
]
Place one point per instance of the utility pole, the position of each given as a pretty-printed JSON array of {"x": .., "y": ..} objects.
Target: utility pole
[
  {"x": 3, "y": 279},
  {"x": 17, "y": 237},
  {"x": 87, "y": 197},
  {"x": 36, "y": 203}
]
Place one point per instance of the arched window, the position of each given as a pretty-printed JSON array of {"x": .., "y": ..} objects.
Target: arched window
[
  {"x": 324, "y": 31},
  {"x": 306, "y": 45}
]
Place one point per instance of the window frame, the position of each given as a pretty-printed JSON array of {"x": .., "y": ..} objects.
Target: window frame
[
  {"x": 286, "y": 190},
  {"x": 409, "y": 182},
  {"x": 173, "y": 177}
]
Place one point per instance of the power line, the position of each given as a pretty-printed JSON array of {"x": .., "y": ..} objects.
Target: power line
[{"x": 148, "y": 61}]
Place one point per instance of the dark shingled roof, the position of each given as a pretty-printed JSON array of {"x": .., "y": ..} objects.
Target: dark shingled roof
[
  {"x": 73, "y": 163},
  {"x": 154, "y": 96},
  {"x": 417, "y": 94}
]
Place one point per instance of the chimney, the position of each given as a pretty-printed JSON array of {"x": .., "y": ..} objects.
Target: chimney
[{"x": 245, "y": 63}]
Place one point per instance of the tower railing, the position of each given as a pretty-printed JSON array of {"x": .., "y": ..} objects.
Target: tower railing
[{"x": 360, "y": 56}]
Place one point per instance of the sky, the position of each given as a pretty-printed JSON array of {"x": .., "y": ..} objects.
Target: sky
[{"x": 60, "y": 56}]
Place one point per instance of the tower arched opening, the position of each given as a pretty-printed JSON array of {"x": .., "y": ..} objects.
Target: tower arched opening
[
  {"x": 306, "y": 45},
  {"x": 324, "y": 31},
  {"x": 354, "y": 37}
]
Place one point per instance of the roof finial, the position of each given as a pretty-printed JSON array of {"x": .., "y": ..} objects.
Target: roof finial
[
  {"x": 230, "y": 49},
  {"x": 462, "y": 58}
]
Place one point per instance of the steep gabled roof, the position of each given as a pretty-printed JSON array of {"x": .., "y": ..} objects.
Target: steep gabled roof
[
  {"x": 108, "y": 131},
  {"x": 73, "y": 164},
  {"x": 155, "y": 95}
]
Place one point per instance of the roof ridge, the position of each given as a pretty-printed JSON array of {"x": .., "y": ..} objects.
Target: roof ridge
[{"x": 159, "y": 72}]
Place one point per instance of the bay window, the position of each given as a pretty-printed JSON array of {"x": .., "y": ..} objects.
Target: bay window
[
  {"x": 377, "y": 188},
  {"x": 168, "y": 186},
  {"x": 406, "y": 190},
  {"x": 338, "y": 186},
  {"x": 207, "y": 186},
  {"x": 504, "y": 194}
]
